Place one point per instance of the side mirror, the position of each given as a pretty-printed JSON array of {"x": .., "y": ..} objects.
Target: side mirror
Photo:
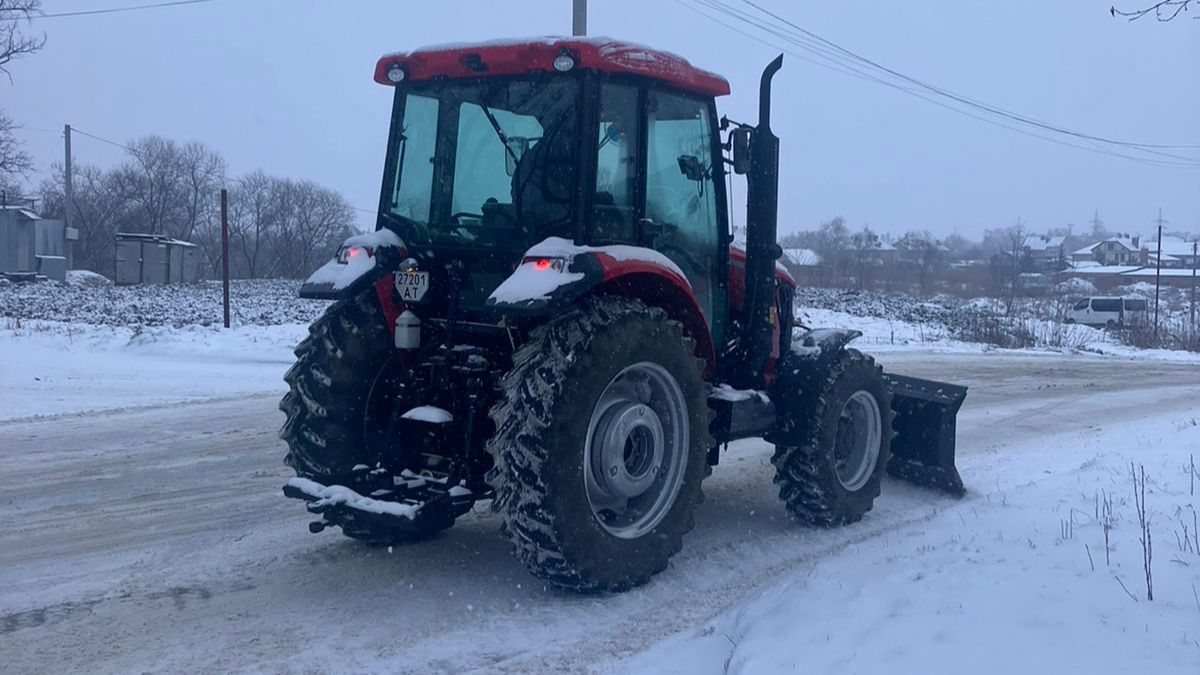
[
  {"x": 517, "y": 145},
  {"x": 690, "y": 166},
  {"x": 741, "y": 150}
]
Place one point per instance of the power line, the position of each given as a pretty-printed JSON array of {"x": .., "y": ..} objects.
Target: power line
[
  {"x": 81, "y": 132},
  {"x": 955, "y": 96},
  {"x": 826, "y": 54},
  {"x": 108, "y": 10}
]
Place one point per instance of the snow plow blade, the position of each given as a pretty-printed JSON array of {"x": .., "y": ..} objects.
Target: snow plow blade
[{"x": 923, "y": 447}]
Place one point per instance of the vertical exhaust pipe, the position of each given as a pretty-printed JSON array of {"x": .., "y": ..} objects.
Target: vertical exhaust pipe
[{"x": 762, "y": 250}]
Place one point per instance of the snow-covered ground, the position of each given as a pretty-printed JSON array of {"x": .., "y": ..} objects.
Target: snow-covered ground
[
  {"x": 145, "y": 528},
  {"x": 51, "y": 368},
  {"x": 1014, "y": 579}
]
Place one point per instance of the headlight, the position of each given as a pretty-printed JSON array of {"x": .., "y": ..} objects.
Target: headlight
[
  {"x": 563, "y": 63},
  {"x": 396, "y": 74}
]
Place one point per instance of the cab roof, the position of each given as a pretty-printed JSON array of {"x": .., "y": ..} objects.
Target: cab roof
[{"x": 520, "y": 56}]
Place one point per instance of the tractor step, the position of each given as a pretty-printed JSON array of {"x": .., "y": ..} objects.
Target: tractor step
[
  {"x": 740, "y": 413},
  {"x": 923, "y": 448}
]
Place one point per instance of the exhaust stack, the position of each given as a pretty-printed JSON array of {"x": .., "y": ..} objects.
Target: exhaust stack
[{"x": 762, "y": 250}]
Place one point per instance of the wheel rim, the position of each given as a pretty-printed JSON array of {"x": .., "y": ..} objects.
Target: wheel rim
[
  {"x": 856, "y": 447},
  {"x": 635, "y": 453}
]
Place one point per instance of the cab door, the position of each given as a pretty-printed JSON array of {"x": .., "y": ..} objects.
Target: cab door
[{"x": 681, "y": 200}]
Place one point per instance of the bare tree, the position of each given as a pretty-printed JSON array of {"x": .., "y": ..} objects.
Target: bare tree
[
  {"x": 100, "y": 211},
  {"x": 1165, "y": 10},
  {"x": 864, "y": 244},
  {"x": 172, "y": 186},
  {"x": 1018, "y": 253},
  {"x": 14, "y": 43},
  {"x": 316, "y": 221},
  {"x": 256, "y": 204},
  {"x": 924, "y": 253},
  {"x": 14, "y": 162}
]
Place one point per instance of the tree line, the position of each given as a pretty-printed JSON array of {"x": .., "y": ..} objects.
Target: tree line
[{"x": 278, "y": 227}]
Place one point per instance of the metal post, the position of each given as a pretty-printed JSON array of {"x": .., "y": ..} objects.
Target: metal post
[
  {"x": 68, "y": 193},
  {"x": 579, "y": 18},
  {"x": 1194, "y": 262},
  {"x": 225, "y": 252},
  {"x": 1157, "y": 275}
]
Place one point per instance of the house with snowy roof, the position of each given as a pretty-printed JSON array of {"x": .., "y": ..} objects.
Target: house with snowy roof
[
  {"x": 1113, "y": 251},
  {"x": 1046, "y": 251},
  {"x": 1176, "y": 253}
]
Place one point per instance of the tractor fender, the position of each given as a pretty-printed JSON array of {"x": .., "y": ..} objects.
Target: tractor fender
[
  {"x": 556, "y": 274},
  {"x": 822, "y": 345},
  {"x": 360, "y": 261}
]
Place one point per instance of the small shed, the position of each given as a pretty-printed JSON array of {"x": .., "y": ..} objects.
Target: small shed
[
  {"x": 18, "y": 240},
  {"x": 34, "y": 246},
  {"x": 155, "y": 259}
]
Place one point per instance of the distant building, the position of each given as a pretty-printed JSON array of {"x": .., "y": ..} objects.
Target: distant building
[
  {"x": 154, "y": 259},
  {"x": 1046, "y": 252},
  {"x": 877, "y": 252},
  {"x": 1112, "y": 251},
  {"x": 32, "y": 246},
  {"x": 801, "y": 257},
  {"x": 1176, "y": 253}
]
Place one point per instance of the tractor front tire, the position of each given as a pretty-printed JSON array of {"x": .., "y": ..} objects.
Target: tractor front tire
[
  {"x": 600, "y": 445},
  {"x": 326, "y": 406},
  {"x": 833, "y": 436}
]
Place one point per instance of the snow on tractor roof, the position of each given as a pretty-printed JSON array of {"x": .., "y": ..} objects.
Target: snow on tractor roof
[{"x": 522, "y": 55}]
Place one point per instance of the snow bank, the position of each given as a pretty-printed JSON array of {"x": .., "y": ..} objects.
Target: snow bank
[
  {"x": 54, "y": 368},
  {"x": 260, "y": 302},
  {"x": 1014, "y": 579}
]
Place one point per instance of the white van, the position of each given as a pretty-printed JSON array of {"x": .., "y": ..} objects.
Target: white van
[{"x": 1108, "y": 312}]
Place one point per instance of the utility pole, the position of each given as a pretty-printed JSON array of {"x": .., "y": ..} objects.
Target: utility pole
[
  {"x": 225, "y": 253},
  {"x": 68, "y": 194},
  {"x": 579, "y": 18},
  {"x": 1194, "y": 262},
  {"x": 1158, "y": 273}
]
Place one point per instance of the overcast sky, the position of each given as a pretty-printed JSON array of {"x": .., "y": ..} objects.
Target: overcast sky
[{"x": 285, "y": 85}]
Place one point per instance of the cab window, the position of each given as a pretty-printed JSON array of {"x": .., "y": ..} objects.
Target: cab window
[
  {"x": 680, "y": 191},
  {"x": 617, "y": 143}
]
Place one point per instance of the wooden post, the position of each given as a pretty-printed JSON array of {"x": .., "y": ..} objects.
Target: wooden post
[
  {"x": 225, "y": 252},
  {"x": 1157, "y": 277},
  {"x": 1194, "y": 264}
]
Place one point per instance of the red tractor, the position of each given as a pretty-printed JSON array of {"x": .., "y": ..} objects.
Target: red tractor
[{"x": 551, "y": 315}]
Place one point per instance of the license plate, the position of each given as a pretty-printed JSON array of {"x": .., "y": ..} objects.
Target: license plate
[{"x": 412, "y": 285}]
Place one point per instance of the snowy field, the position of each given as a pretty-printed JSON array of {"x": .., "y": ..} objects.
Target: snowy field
[{"x": 146, "y": 530}]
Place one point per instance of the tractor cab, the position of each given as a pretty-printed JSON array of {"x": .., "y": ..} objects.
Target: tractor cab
[{"x": 496, "y": 147}]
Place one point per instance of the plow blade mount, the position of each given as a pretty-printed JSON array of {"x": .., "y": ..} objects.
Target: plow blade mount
[{"x": 923, "y": 447}]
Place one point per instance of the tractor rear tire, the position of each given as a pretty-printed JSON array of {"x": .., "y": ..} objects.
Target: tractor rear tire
[
  {"x": 328, "y": 390},
  {"x": 609, "y": 359},
  {"x": 832, "y": 441}
]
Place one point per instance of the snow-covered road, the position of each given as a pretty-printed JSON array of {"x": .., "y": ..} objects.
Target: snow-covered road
[{"x": 158, "y": 539}]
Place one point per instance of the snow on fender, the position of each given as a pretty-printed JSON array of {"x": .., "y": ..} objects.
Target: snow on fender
[
  {"x": 355, "y": 259},
  {"x": 557, "y": 263}
]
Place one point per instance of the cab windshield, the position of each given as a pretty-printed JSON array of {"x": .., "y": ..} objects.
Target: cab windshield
[{"x": 484, "y": 163}]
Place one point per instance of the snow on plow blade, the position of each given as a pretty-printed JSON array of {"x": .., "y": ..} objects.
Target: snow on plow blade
[{"x": 923, "y": 447}]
